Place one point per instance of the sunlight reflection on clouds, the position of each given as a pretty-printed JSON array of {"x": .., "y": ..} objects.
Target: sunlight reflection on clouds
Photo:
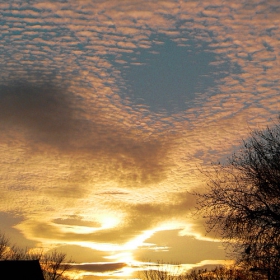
[{"x": 108, "y": 108}]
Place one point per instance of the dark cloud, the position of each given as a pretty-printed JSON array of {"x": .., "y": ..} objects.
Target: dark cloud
[
  {"x": 75, "y": 220},
  {"x": 42, "y": 111},
  {"x": 48, "y": 117},
  {"x": 99, "y": 267}
]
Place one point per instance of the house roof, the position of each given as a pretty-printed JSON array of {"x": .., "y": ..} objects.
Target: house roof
[{"x": 23, "y": 270}]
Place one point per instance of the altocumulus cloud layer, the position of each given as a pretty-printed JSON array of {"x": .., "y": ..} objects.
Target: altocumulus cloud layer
[
  {"x": 108, "y": 107},
  {"x": 49, "y": 117}
]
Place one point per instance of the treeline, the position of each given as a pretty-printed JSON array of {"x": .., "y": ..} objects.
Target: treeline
[
  {"x": 54, "y": 265},
  {"x": 218, "y": 273}
]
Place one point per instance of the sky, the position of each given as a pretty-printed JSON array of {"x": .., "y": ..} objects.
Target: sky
[{"x": 110, "y": 110}]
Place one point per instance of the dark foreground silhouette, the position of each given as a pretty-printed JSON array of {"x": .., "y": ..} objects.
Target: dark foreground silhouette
[{"x": 24, "y": 270}]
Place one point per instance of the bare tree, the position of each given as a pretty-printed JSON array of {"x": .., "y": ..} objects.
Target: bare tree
[
  {"x": 160, "y": 271},
  {"x": 54, "y": 265},
  {"x": 242, "y": 202},
  {"x": 10, "y": 251},
  {"x": 221, "y": 273},
  {"x": 4, "y": 247}
]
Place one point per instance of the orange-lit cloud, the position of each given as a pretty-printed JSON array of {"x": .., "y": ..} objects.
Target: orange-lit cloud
[{"x": 108, "y": 109}]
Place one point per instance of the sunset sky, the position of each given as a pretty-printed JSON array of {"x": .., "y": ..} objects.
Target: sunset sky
[{"x": 110, "y": 109}]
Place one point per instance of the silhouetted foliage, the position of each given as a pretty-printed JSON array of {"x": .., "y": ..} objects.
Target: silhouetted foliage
[
  {"x": 166, "y": 272},
  {"x": 54, "y": 265},
  {"x": 4, "y": 243},
  {"x": 160, "y": 271},
  {"x": 219, "y": 273},
  {"x": 243, "y": 202}
]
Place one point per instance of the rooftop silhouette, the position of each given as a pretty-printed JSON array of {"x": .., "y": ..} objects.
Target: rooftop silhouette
[{"x": 21, "y": 269}]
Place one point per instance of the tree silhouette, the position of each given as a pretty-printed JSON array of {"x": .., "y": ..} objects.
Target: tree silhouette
[
  {"x": 160, "y": 271},
  {"x": 4, "y": 246},
  {"x": 54, "y": 265},
  {"x": 242, "y": 201}
]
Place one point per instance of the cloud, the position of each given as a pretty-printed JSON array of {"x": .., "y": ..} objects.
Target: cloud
[
  {"x": 51, "y": 117},
  {"x": 8, "y": 221},
  {"x": 42, "y": 111},
  {"x": 134, "y": 221},
  {"x": 170, "y": 247},
  {"x": 77, "y": 148},
  {"x": 99, "y": 267}
]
